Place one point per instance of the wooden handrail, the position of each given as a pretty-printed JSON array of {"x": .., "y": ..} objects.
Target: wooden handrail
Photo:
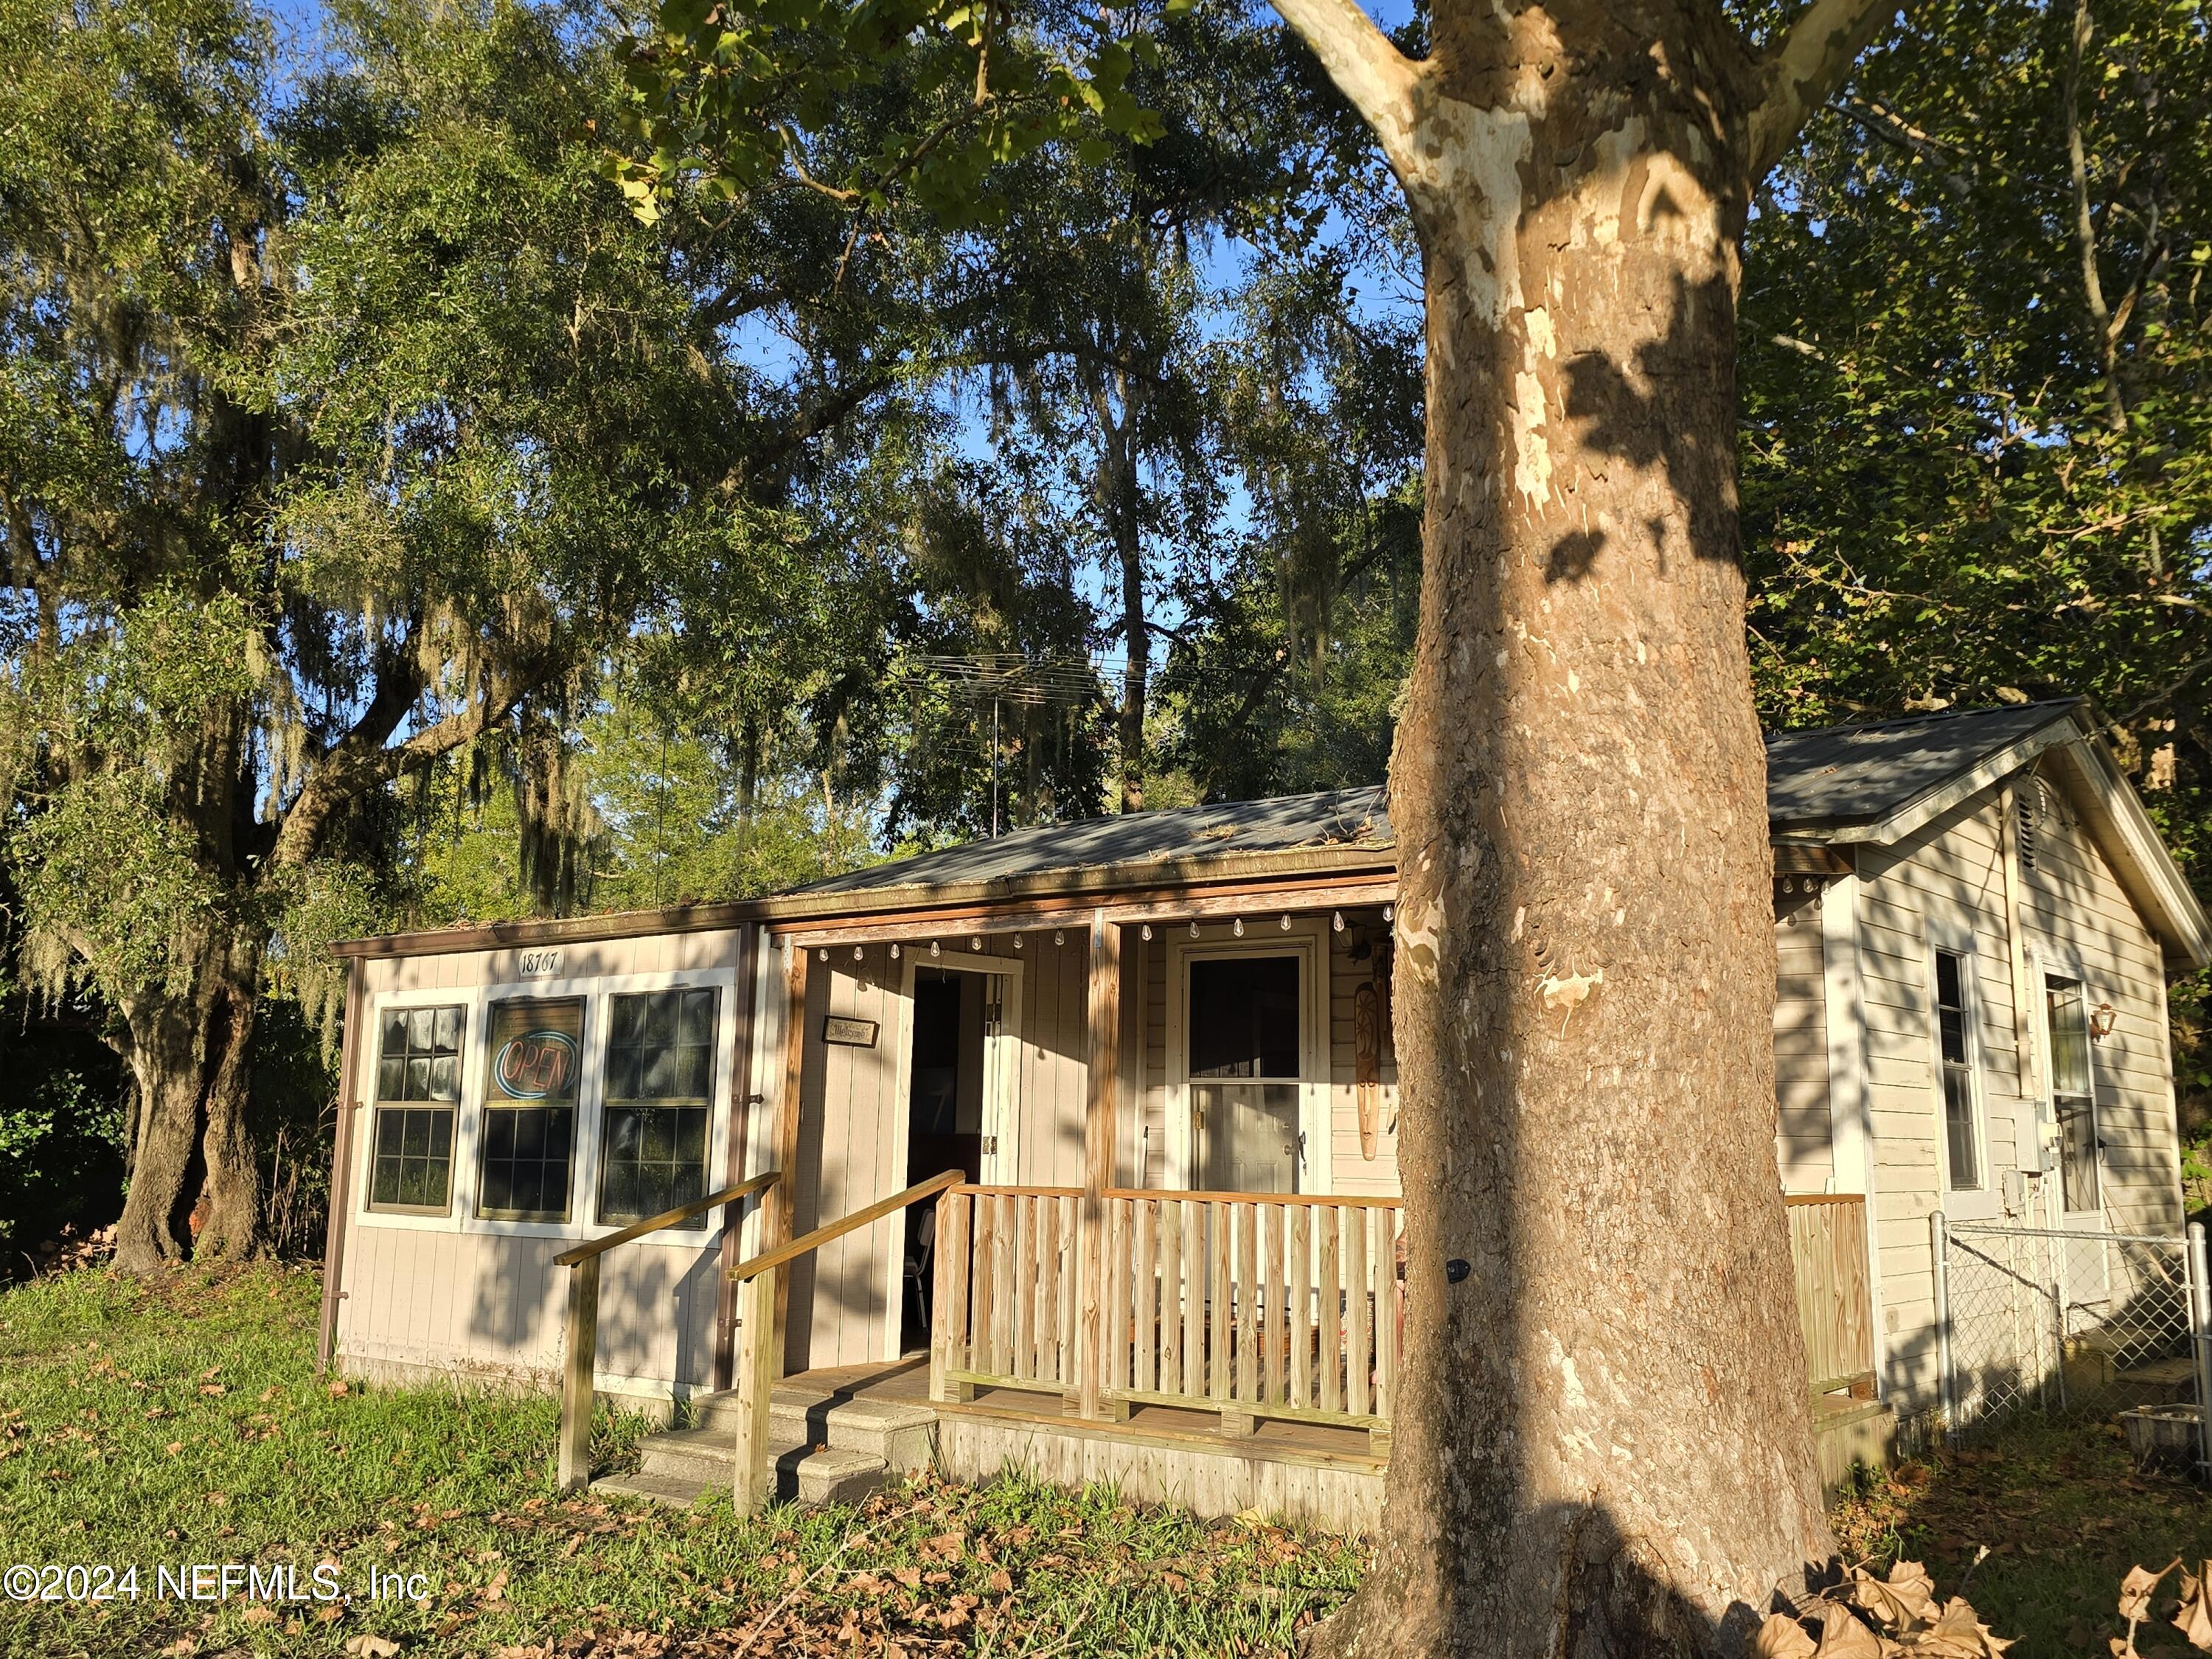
[
  {"x": 814, "y": 1241},
  {"x": 682, "y": 1213},
  {"x": 581, "y": 1359},
  {"x": 759, "y": 1364}
]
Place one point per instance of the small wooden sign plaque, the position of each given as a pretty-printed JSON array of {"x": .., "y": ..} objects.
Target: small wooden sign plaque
[{"x": 852, "y": 1033}]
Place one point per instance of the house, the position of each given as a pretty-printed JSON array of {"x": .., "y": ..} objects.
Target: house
[{"x": 1155, "y": 1050}]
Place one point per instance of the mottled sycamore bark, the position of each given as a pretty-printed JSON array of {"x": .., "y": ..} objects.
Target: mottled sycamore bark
[{"x": 1602, "y": 1443}]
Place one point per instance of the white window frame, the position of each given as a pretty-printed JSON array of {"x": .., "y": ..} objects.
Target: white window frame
[
  {"x": 1264, "y": 936},
  {"x": 1955, "y": 936},
  {"x": 597, "y": 992}
]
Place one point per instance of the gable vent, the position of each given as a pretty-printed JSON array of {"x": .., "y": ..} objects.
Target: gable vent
[{"x": 2025, "y": 801}]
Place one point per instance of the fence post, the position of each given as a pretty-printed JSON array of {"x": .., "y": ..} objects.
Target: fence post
[
  {"x": 2200, "y": 1340},
  {"x": 1939, "y": 1243}
]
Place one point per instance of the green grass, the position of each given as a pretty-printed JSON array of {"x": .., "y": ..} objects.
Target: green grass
[
  {"x": 180, "y": 1421},
  {"x": 2064, "y": 1513}
]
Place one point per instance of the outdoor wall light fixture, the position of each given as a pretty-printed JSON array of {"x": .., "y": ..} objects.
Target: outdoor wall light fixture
[{"x": 2102, "y": 1018}]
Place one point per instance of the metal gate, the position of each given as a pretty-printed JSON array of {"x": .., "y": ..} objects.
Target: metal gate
[{"x": 2071, "y": 1323}]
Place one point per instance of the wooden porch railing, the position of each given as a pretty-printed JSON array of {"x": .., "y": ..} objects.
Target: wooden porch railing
[
  {"x": 758, "y": 1360},
  {"x": 1835, "y": 1304},
  {"x": 583, "y": 1329},
  {"x": 1247, "y": 1305}
]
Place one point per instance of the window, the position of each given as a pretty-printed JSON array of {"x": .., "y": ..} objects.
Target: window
[
  {"x": 1245, "y": 1027},
  {"x": 2073, "y": 1092},
  {"x": 530, "y": 1109},
  {"x": 418, "y": 1060},
  {"x": 661, "y": 1073},
  {"x": 1954, "y": 1038}
]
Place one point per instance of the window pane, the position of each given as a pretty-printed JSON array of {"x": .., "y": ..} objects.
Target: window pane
[
  {"x": 2068, "y": 1015},
  {"x": 535, "y": 1046},
  {"x": 392, "y": 1077},
  {"x": 445, "y": 1077},
  {"x": 422, "y": 1029},
  {"x": 413, "y": 1168},
  {"x": 1959, "y": 1123},
  {"x": 448, "y": 1036},
  {"x": 1946, "y": 979},
  {"x": 1244, "y": 1018},
  {"x": 698, "y": 1017}
]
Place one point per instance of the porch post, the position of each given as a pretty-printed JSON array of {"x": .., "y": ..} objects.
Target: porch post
[
  {"x": 783, "y": 1197},
  {"x": 1102, "y": 1095}
]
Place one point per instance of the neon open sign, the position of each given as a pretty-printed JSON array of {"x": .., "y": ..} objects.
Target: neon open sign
[{"x": 536, "y": 1065}]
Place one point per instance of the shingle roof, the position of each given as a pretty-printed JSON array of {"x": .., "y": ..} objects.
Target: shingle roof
[
  {"x": 1336, "y": 817},
  {"x": 1854, "y": 774},
  {"x": 1843, "y": 774}
]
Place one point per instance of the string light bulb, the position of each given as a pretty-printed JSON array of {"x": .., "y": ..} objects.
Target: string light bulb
[
  {"x": 1286, "y": 922},
  {"x": 1194, "y": 930},
  {"x": 1336, "y": 921},
  {"x": 860, "y": 954},
  {"x": 935, "y": 949},
  {"x": 1237, "y": 927},
  {"x": 1059, "y": 937},
  {"x": 975, "y": 942},
  {"x": 895, "y": 953},
  {"x": 1017, "y": 941},
  {"x": 1145, "y": 932},
  {"x": 1389, "y": 913}
]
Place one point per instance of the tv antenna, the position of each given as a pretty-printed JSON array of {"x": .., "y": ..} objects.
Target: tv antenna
[{"x": 1000, "y": 677}]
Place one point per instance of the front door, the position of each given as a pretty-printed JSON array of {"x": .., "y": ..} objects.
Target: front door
[
  {"x": 1245, "y": 1072},
  {"x": 2073, "y": 1104}
]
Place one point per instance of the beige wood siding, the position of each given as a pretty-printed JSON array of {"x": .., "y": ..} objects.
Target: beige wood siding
[
  {"x": 1056, "y": 1048},
  {"x": 1803, "y": 1145},
  {"x": 456, "y": 1299},
  {"x": 848, "y": 1109},
  {"x": 1953, "y": 871},
  {"x": 1354, "y": 1173},
  {"x": 2081, "y": 919}
]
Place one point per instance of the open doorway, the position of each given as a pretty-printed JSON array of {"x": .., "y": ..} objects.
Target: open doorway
[{"x": 944, "y": 1116}]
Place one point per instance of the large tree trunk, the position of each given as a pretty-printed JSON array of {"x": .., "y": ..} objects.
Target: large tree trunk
[
  {"x": 1603, "y": 1445},
  {"x": 193, "y": 1160}
]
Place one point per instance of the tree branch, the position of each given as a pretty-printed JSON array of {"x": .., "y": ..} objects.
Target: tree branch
[
  {"x": 1377, "y": 78},
  {"x": 1804, "y": 71},
  {"x": 365, "y": 757},
  {"x": 1893, "y": 128}
]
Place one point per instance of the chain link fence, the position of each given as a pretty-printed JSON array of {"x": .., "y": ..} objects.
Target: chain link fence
[{"x": 2067, "y": 1323}]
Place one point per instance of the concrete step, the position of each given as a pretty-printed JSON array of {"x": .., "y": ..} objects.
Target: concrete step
[
  {"x": 902, "y": 1433},
  {"x": 819, "y": 1477},
  {"x": 661, "y": 1489},
  {"x": 708, "y": 1454}
]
